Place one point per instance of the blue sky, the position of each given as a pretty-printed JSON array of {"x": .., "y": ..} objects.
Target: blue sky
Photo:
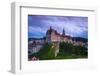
[{"x": 74, "y": 26}]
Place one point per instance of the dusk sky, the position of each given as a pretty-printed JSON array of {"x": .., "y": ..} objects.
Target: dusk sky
[{"x": 74, "y": 26}]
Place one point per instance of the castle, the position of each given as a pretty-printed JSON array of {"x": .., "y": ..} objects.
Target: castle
[{"x": 52, "y": 36}]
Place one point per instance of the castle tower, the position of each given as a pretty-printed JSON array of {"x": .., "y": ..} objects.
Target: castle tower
[
  {"x": 63, "y": 33},
  {"x": 48, "y": 34},
  {"x": 50, "y": 27}
]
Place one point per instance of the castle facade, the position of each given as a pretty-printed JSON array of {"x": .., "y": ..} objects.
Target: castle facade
[{"x": 53, "y": 36}]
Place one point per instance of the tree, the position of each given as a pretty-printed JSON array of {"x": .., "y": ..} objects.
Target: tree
[
  {"x": 46, "y": 52},
  {"x": 66, "y": 51}
]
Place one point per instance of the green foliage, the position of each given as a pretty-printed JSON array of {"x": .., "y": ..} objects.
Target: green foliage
[
  {"x": 46, "y": 52},
  {"x": 66, "y": 51}
]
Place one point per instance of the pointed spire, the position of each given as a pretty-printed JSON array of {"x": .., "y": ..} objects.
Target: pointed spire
[
  {"x": 50, "y": 27},
  {"x": 63, "y": 33}
]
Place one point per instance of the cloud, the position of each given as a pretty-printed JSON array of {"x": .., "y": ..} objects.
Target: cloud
[
  {"x": 73, "y": 25},
  {"x": 36, "y": 32}
]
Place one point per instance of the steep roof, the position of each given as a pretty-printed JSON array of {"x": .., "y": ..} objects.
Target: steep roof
[{"x": 49, "y": 31}]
